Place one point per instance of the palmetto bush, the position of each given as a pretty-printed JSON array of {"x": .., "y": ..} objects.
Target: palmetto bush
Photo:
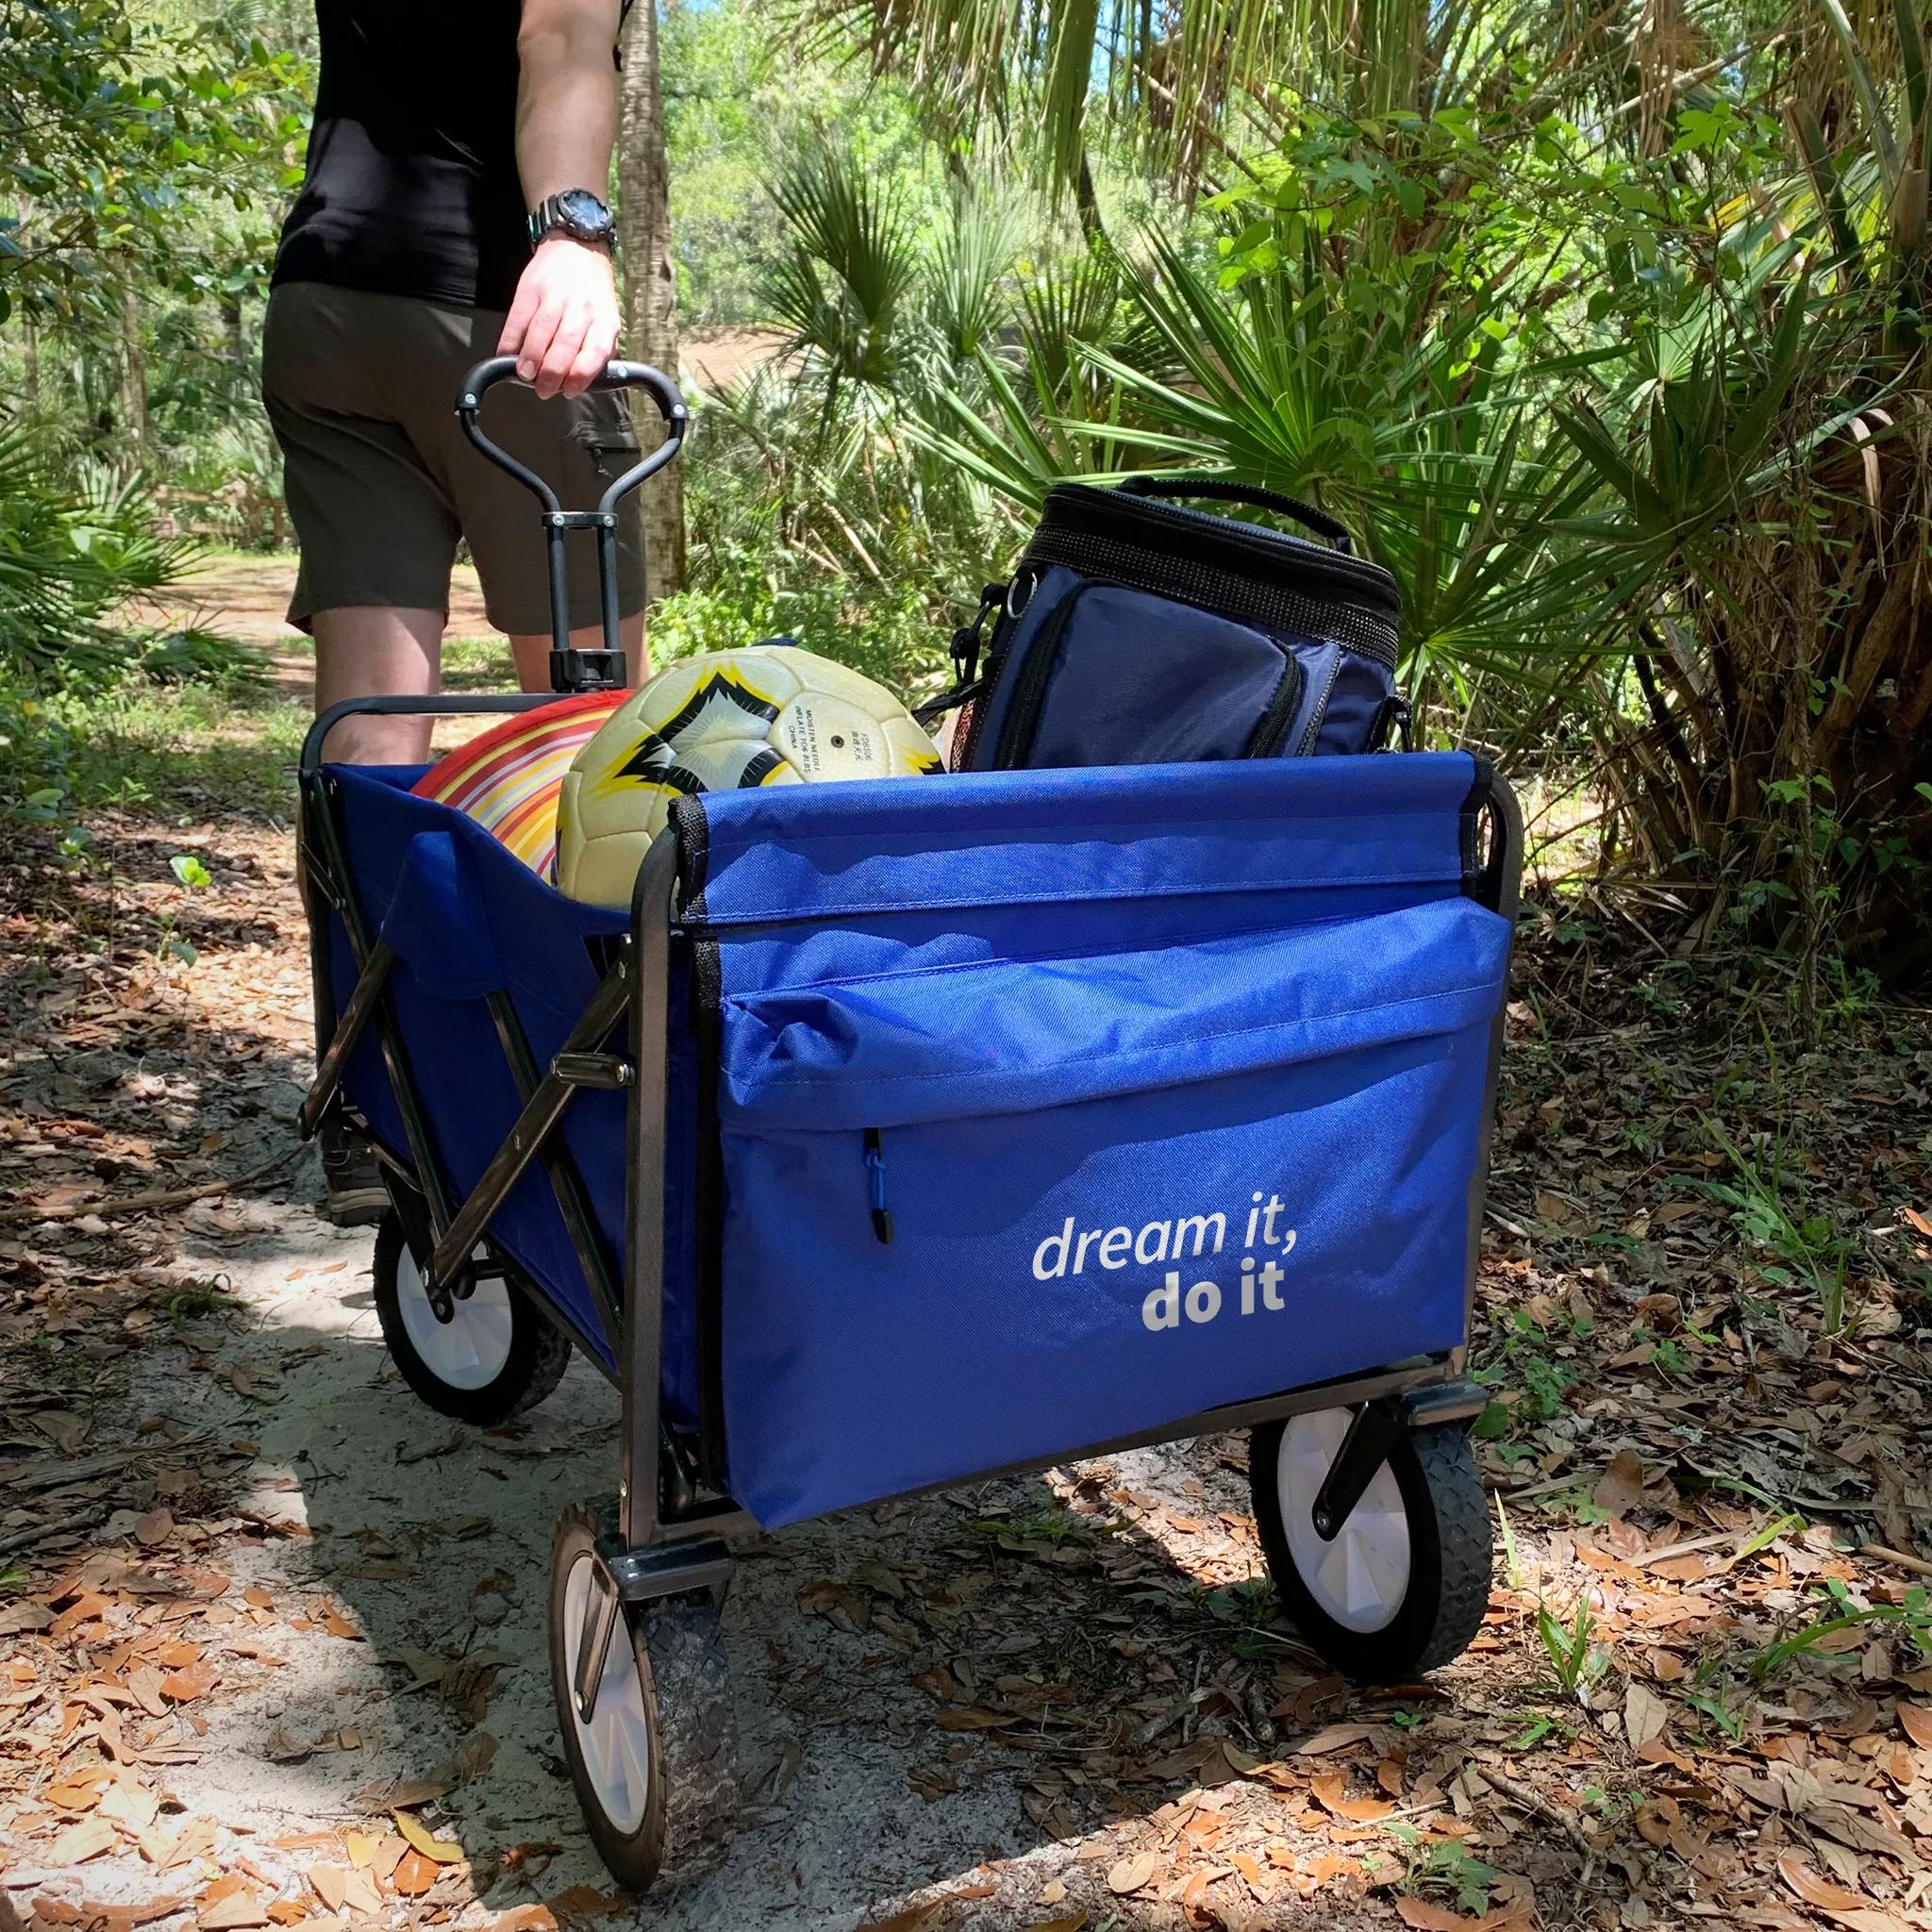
[
  {"x": 1605, "y": 328},
  {"x": 69, "y": 555},
  {"x": 821, "y": 506}
]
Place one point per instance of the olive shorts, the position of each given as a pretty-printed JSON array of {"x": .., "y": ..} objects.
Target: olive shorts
[{"x": 361, "y": 389}]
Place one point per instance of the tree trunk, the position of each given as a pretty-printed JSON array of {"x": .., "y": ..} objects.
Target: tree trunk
[
  {"x": 133, "y": 381},
  {"x": 650, "y": 296},
  {"x": 1087, "y": 204}
]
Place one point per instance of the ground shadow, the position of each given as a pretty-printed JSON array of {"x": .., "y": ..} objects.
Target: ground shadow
[{"x": 995, "y": 1674}]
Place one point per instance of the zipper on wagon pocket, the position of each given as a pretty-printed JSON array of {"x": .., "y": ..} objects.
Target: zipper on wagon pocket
[{"x": 876, "y": 1180}]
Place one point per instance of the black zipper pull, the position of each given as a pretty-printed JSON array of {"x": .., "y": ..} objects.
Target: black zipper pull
[
  {"x": 875, "y": 1174},
  {"x": 966, "y": 638},
  {"x": 1395, "y": 710}
]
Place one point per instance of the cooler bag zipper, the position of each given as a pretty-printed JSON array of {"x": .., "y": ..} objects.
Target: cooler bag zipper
[
  {"x": 974, "y": 685},
  {"x": 1036, "y": 673},
  {"x": 1266, "y": 739},
  {"x": 1321, "y": 710}
]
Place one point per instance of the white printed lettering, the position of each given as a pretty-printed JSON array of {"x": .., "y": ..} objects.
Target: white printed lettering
[
  {"x": 1199, "y": 1224},
  {"x": 1162, "y": 1308},
  {"x": 1059, "y": 1242},
  {"x": 1271, "y": 1278}
]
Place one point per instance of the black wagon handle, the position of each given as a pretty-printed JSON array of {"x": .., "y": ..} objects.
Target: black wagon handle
[
  {"x": 1219, "y": 490},
  {"x": 570, "y": 670}
]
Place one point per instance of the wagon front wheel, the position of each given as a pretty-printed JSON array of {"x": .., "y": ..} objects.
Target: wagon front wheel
[
  {"x": 1402, "y": 1585},
  {"x": 495, "y": 1356},
  {"x": 652, "y": 1759}
]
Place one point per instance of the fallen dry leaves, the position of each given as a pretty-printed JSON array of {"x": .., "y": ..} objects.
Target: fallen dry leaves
[{"x": 1739, "y": 1503}]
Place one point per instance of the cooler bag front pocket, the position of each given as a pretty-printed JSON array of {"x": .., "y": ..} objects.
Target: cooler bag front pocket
[
  {"x": 990, "y": 1214},
  {"x": 1118, "y": 677}
]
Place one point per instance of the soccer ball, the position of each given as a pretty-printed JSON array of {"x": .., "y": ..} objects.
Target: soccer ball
[{"x": 769, "y": 714}]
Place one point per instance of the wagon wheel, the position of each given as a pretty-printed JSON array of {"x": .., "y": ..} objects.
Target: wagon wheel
[
  {"x": 495, "y": 1355},
  {"x": 1403, "y": 1585},
  {"x": 655, "y": 1762}
]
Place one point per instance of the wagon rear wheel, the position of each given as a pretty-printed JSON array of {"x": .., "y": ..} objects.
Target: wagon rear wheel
[
  {"x": 1402, "y": 1585},
  {"x": 654, "y": 1762},
  {"x": 495, "y": 1355}
]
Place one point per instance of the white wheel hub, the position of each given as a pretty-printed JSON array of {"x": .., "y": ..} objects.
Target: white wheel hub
[
  {"x": 1361, "y": 1578},
  {"x": 616, "y": 1743},
  {"x": 469, "y": 1350}
]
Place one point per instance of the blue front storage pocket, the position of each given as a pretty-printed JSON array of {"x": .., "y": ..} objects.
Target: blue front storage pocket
[{"x": 1119, "y": 1189}]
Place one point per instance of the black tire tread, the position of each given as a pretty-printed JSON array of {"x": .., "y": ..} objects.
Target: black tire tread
[
  {"x": 1449, "y": 1526},
  {"x": 1462, "y": 1515},
  {"x": 677, "y": 1642},
  {"x": 550, "y": 1357},
  {"x": 696, "y": 1731}
]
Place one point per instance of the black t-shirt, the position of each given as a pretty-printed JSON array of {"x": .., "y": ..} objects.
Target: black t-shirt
[{"x": 412, "y": 186}]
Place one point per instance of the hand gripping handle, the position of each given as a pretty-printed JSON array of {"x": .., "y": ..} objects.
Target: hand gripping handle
[
  {"x": 659, "y": 388},
  {"x": 573, "y": 669}
]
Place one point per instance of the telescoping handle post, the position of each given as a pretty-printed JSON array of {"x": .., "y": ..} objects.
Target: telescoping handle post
[{"x": 572, "y": 669}]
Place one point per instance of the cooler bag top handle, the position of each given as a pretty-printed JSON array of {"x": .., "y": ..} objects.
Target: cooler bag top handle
[{"x": 1219, "y": 490}]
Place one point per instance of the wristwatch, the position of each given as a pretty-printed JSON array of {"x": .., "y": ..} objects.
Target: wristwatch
[{"x": 576, "y": 212}]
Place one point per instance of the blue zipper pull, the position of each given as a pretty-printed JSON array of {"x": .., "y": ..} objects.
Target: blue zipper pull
[{"x": 875, "y": 1174}]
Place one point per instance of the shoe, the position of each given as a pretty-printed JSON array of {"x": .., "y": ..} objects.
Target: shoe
[{"x": 353, "y": 1192}]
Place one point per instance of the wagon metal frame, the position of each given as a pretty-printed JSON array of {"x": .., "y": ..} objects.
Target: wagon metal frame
[{"x": 671, "y": 1538}]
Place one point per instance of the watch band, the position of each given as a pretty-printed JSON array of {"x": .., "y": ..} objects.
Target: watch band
[{"x": 553, "y": 216}]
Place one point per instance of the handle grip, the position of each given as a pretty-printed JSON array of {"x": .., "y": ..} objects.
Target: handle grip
[
  {"x": 1219, "y": 490},
  {"x": 656, "y": 385},
  {"x": 576, "y": 670}
]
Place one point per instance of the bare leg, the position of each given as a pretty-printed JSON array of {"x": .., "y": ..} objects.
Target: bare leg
[
  {"x": 532, "y": 653},
  {"x": 369, "y": 651}
]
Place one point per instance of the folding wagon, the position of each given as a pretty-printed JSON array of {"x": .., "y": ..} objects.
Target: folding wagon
[{"x": 905, "y": 1134}]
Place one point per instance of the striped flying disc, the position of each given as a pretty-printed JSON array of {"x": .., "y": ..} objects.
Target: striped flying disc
[{"x": 507, "y": 778}]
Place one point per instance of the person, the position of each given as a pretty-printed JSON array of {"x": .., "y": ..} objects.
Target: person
[{"x": 452, "y": 209}]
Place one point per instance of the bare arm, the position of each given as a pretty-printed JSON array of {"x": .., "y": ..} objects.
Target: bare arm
[{"x": 563, "y": 325}]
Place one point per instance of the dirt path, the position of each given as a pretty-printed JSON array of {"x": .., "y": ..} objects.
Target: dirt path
[
  {"x": 245, "y": 597},
  {"x": 266, "y": 1624}
]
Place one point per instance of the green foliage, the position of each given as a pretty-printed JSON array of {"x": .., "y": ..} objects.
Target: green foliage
[
  {"x": 1808, "y": 1249},
  {"x": 1571, "y": 1648},
  {"x": 741, "y": 103},
  {"x": 196, "y": 655},
  {"x": 802, "y": 525},
  {"x": 68, "y": 556},
  {"x": 1449, "y": 1865},
  {"x": 843, "y": 288},
  {"x": 1910, "y": 1621},
  {"x": 1626, "y": 388},
  {"x": 119, "y": 128}
]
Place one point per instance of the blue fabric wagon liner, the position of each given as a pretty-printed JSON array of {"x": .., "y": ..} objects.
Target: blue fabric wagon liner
[{"x": 1169, "y": 1086}]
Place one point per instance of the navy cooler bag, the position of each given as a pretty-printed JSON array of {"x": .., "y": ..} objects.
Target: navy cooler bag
[{"x": 1137, "y": 631}]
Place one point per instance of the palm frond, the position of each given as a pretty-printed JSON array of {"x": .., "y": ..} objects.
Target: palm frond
[
  {"x": 840, "y": 290},
  {"x": 967, "y": 301}
]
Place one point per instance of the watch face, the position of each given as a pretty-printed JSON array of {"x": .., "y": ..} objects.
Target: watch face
[{"x": 583, "y": 212}]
